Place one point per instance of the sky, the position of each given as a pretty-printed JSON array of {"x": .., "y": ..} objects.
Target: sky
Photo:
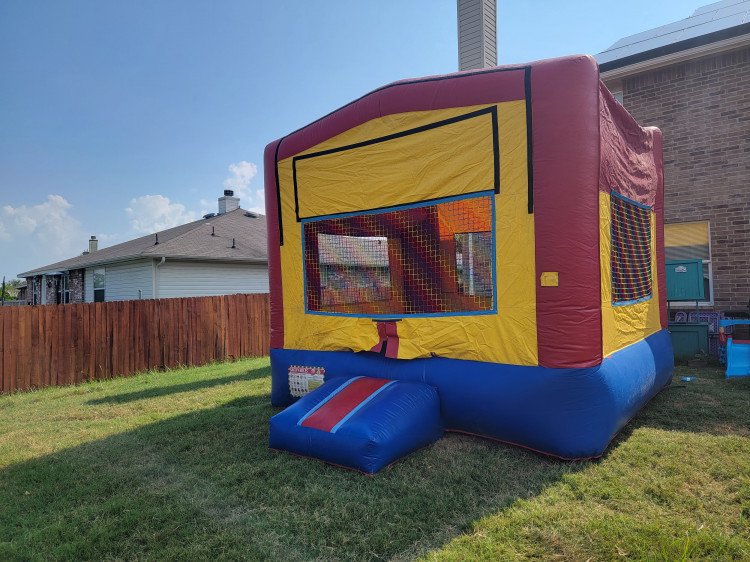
[{"x": 118, "y": 119}]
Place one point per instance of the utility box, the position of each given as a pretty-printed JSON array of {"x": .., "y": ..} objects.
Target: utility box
[
  {"x": 688, "y": 339},
  {"x": 685, "y": 280}
]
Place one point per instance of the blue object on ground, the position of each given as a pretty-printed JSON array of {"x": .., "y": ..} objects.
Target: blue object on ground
[
  {"x": 569, "y": 413},
  {"x": 738, "y": 351},
  {"x": 364, "y": 423},
  {"x": 687, "y": 379}
]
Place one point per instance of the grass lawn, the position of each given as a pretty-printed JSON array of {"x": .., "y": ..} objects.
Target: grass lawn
[{"x": 175, "y": 466}]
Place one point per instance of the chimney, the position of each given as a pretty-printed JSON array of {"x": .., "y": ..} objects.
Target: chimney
[
  {"x": 93, "y": 245},
  {"x": 228, "y": 202},
  {"x": 477, "y": 34}
]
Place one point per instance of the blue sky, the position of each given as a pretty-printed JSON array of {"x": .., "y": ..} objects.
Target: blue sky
[{"x": 121, "y": 118}]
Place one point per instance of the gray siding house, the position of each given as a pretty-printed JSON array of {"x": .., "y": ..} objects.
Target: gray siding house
[{"x": 221, "y": 254}]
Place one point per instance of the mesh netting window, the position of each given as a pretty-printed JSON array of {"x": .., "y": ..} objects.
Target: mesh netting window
[
  {"x": 631, "y": 251},
  {"x": 429, "y": 259}
]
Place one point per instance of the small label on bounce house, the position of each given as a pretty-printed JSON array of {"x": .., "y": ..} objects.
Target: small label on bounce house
[{"x": 304, "y": 379}]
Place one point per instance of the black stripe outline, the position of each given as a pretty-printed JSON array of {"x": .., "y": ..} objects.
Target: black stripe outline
[
  {"x": 529, "y": 137},
  {"x": 525, "y": 68},
  {"x": 491, "y": 111}
]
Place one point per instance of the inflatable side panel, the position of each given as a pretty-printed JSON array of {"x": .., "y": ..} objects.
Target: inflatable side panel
[
  {"x": 659, "y": 210},
  {"x": 569, "y": 413},
  {"x": 565, "y": 104},
  {"x": 631, "y": 171},
  {"x": 274, "y": 255}
]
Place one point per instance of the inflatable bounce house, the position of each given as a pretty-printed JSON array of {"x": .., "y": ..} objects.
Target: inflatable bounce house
[{"x": 479, "y": 252}]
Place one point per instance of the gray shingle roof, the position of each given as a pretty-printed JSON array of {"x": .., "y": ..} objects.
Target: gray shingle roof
[
  {"x": 188, "y": 241},
  {"x": 707, "y": 24}
]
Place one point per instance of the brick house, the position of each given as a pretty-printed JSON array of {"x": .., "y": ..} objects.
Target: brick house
[
  {"x": 224, "y": 253},
  {"x": 691, "y": 78}
]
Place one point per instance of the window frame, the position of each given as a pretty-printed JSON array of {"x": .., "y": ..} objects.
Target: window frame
[
  {"x": 65, "y": 289},
  {"x": 432, "y": 202},
  {"x": 705, "y": 303},
  {"x": 102, "y": 289}
]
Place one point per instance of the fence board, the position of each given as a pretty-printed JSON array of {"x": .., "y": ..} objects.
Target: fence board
[
  {"x": 2, "y": 355},
  {"x": 65, "y": 344}
]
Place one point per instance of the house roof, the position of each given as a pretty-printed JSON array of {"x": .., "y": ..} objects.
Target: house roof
[
  {"x": 712, "y": 23},
  {"x": 189, "y": 241}
]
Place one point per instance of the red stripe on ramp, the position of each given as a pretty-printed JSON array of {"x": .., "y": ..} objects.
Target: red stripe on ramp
[{"x": 333, "y": 411}]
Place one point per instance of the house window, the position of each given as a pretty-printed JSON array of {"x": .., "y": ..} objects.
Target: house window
[
  {"x": 99, "y": 282},
  {"x": 63, "y": 289},
  {"x": 434, "y": 258},
  {"x": 631, "y": 251},
  {"x": 691, "y": 241}
]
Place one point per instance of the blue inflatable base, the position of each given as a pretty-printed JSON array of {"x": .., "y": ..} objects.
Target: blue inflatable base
[
  {"x": 383, "y": 426},
  {"x": 568, "y": 413}
]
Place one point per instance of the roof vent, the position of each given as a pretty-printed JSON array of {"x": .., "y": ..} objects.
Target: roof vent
[
  {"x": 209, "y": 215},
  {"x": 252, "y": 214}
]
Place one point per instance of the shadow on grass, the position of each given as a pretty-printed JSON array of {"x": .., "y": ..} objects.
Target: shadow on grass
[
  {"x": 158, "y": 391},
  {"x": 205, "y": 485},
  {"x": 710, "y": 403}
]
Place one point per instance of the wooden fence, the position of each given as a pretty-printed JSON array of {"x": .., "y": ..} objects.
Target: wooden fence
[{"x": 67, "y": 344}]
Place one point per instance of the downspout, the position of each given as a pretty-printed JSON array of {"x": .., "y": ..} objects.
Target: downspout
[{"x": 155, "y": 288}]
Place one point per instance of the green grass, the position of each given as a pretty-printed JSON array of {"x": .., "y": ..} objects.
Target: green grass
[{"x": 175, "y": 465}]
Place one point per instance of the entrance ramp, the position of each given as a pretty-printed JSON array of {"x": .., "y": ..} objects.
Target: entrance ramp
[{"x": 363, "y": 423}]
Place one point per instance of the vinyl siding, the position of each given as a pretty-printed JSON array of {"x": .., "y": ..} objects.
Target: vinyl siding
[
  {"x": 195, "y": 278},
  {"x": 477, "y": 42},
  {"x": 123, "y": 281},
  {"x": 88, "y": 282}
]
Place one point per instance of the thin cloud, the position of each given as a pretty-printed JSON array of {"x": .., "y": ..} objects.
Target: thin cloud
[
  {"x": 152, "y": 213},
  {"x": 48, "y": 225},
  {"x": 241, "y": 175}
]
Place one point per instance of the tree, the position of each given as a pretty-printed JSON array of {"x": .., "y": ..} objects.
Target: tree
[{"x": 9, "y": 290}]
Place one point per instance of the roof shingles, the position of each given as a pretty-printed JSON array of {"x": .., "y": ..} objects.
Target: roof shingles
[{"x": 188, "y": 241}]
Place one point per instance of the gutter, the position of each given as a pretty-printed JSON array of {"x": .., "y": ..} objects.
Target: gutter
[{"x": 35, "y": 272}]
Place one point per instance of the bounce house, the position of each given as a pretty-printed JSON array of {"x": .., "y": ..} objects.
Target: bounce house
[{"x": 479, "y": 252}]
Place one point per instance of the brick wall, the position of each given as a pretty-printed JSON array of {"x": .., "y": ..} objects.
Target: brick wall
[
  {"x": 33, "y": 289},
  {"x": 52, "y": 283},
  {"x": 703, "y": 109},
  {"x": 76, "y": 285},
  {"x": 50, "y": 287}
]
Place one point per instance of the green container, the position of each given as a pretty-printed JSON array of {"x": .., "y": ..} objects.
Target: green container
[
  {"x": 688, "y": 339},
  {"x": 685, "y": 280}
]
